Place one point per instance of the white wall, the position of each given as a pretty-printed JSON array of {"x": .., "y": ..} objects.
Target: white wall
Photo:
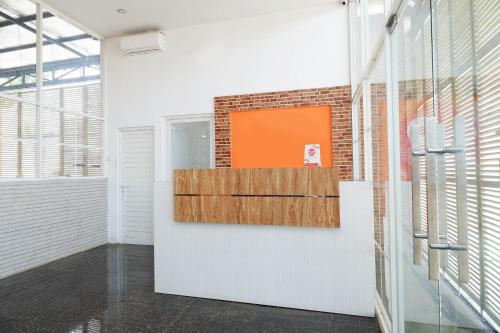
[
  {"x": 45, "y": 220},
  {"x": 294, "y": 50},
  {"x": 309, "y": 268}
]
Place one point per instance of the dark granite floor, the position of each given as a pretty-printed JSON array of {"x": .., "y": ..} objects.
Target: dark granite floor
[{"x": 110, "y": 289}]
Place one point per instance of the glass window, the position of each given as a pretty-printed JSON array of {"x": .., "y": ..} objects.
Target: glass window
[
  {"x": 17, "y": 46},
  {"x": 356, "y": 45},
  {"x": 71, "y": 98},
  {"x": 376, "y": 24},
  {"x": 191, "y": 145}
]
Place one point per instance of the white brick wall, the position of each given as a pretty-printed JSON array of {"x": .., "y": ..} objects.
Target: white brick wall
[{"x": 44, "y": 220}]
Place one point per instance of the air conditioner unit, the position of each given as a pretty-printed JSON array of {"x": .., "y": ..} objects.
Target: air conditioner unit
[{"x": 143, "y": 43}]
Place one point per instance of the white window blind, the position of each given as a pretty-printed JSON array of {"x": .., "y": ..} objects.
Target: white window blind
[
  {"x": 454, "y": 89},
  {"x": 18, "y": 137},
  {"x": 73, "y": 128},
  {"x": 9, "y": 116},
  {"x": 487, "y": 47},
  {"x": 52, "y": 129},
  {"x": 467, "y": 77},
  {"x": 71, "y": 133},
  {"x": 94, "y": 130}
]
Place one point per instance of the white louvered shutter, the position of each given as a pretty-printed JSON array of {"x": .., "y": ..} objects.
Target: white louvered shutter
[
  {"x": 51, "y": 133},
  {"x": 467, "y": 72},
  {"x": 9, "y": 115},
  {"x": 94, "y": 130},
  {"x": 487, "y": 38}
]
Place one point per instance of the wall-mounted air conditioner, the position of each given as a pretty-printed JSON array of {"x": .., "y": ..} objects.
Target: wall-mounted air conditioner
[{"x": 143, "y": 43}]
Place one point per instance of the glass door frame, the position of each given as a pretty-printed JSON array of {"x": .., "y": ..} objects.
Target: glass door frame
[
  {"x": 396, "y": 204},
  {"x": 395, "y": 191},
  {"x": 361, "y": 88},
  {"x": 395, "y": 183},
  {"x": 394, "y": 144},
  {"x": 391, "y": 46}
]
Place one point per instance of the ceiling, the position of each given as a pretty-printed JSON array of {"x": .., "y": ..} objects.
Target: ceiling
[{"x": 103, "y": 19}]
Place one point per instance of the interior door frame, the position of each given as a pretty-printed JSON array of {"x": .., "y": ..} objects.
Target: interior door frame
[
  {"x": 120, "y": 224},
  {"x": 168, "y": 121}
]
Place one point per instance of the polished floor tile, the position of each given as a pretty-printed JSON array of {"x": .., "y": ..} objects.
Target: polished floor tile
[{"x": 110, "y": 289}]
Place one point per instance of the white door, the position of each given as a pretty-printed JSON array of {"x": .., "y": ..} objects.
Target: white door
[{"x": 136, "y": 185}]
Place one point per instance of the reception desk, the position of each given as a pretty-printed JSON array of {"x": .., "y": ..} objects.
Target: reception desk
[
  {"x": 320, "y": 269},
  {"x": 301, "y": 197}
]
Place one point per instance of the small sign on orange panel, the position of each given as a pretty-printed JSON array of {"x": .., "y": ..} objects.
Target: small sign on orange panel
[{"x": 312, "y": 155}]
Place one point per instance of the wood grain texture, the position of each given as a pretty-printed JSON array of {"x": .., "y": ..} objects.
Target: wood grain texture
[
  {"x": 286, "y": 181},
  {"x": 258, "y": 196},
  {"x": 300, "y": 212},
  {"x": 292, "y": 181},
  {"x": 203, "y": 181}
]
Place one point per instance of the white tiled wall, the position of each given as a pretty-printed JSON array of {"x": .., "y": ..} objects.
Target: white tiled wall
[{"x": 41, "y": 221}]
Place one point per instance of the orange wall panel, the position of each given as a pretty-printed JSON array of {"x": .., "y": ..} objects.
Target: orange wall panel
[{"x": 275, "y": 138}]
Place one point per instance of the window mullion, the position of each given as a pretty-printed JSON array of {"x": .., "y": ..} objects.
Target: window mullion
[{"x": 39, "y": 86}]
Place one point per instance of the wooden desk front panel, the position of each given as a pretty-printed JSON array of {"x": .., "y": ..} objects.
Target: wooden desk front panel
[
  {"x": 300, "y": 212},
  {"x": 289, "y": 181},
  {"x": 291, "y": 197}
]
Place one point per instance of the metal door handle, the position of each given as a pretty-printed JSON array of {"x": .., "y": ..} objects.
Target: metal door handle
[
  {"x": 441, "y": 191},
  {"x": 417, "y": 152},
  {"x": 432, "y": 199},
  {"x": 448, "y": 246},
  {"x": 461, "y": 190},
  {"x": 444, "y": 150},
  {"x": 423, "y": 235},
  {"x": 436, "y": 197},
  {"x": 415, "y": 192}
]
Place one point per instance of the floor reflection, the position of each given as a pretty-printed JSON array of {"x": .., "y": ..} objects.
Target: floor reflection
[{"x": 110, "y": 289}]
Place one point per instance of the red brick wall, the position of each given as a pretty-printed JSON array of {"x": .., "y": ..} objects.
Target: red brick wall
[{"x": 339, "y": 98}]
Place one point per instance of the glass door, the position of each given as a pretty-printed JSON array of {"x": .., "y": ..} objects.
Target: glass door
[
  {"x": 412, "y": 39},
  {"x": 441, "y": 182}
]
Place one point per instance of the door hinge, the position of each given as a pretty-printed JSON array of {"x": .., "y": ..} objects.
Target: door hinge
[{"x": 391, "y": 22}]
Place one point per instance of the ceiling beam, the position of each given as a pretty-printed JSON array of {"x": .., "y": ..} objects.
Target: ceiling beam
[
  {"x": 27, "y": 27},
  {"x": 52, "y": 82},
  {"x": 51, "y": 66},
  {"x": 45, "y": 42},
  {"x": 8, "y": 81},
  {"x": 24, "y": 19}
]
